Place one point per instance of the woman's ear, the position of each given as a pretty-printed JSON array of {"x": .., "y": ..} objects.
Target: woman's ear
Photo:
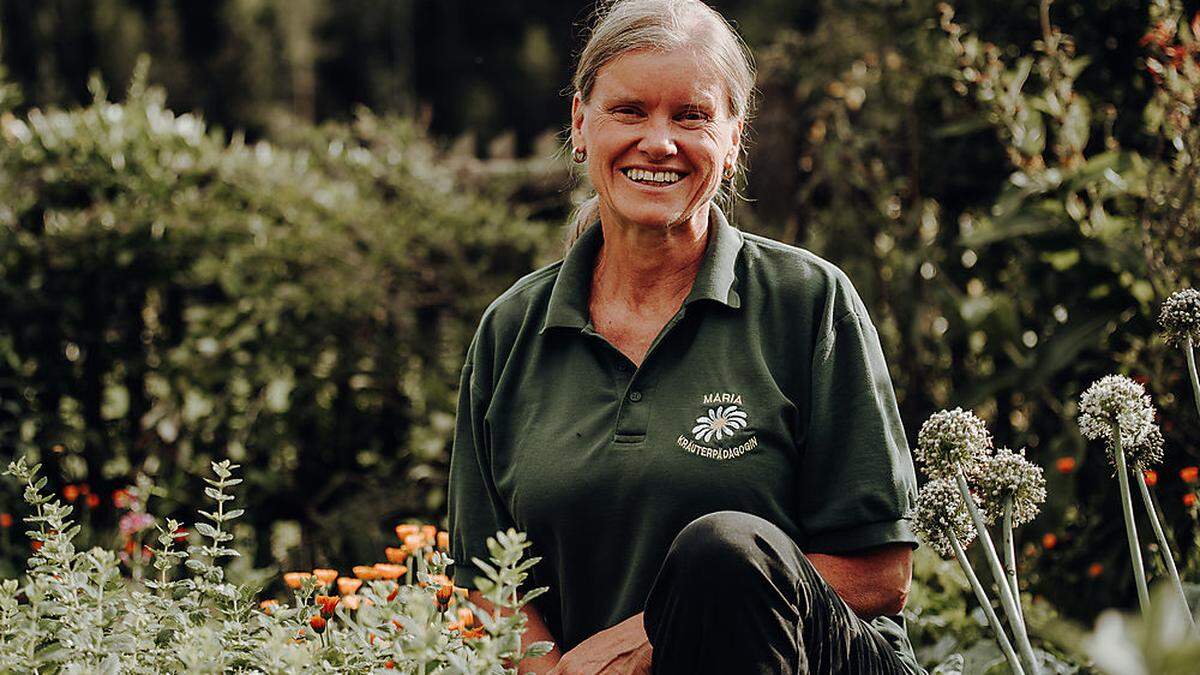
[{"x": 577, "y": 121}]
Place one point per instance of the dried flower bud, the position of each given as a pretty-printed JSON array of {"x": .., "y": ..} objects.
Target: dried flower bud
[
  {"x": 1008, "y": 474},
  {"x": 951, "y": 440},
  {"x": 317, "y": 622},
  {"x": 1180, "y": 316},
  {"x": 1117, "y": 400},
  {"x": 940, "y": 510}
]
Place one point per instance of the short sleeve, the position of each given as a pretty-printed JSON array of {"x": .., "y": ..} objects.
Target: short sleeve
[
  {"x": 476, "y": 510},
  {"x": 856, "y": 476}
]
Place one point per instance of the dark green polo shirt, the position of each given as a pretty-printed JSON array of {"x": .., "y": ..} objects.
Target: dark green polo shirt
[{"x": 766, "y": 393}]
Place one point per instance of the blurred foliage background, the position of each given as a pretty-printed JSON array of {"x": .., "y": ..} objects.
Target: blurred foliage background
[{"x": 273, "y": 240}]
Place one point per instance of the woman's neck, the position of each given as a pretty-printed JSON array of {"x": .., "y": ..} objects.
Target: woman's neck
[{"x": 648, "y": 270}]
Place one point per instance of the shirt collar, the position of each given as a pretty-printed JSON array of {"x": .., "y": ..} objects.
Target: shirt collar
[{"x": 715, "y": 280}]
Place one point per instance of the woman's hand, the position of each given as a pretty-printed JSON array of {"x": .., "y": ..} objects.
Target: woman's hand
[{"x": 620, "y": 650}]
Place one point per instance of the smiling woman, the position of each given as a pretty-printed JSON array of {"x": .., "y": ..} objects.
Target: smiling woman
[{"x": 694, "y": 425}]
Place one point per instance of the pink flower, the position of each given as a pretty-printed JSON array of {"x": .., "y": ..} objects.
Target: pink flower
[{"x": 133, "y": 522}]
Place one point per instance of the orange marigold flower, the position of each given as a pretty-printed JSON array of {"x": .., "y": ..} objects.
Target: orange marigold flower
[
  {"x": 395, "y": 591},
  {"x": 443, "y": 540},
  {"x": 6, "y": 520},
  {"x": 406, "y": 529},
  {"x": 430, "y": 532},
  {"x": 1189, "y": 474},
  {"x": 399, "y": 626},
  {"x": 268, "y": 606},
  {"x": 467, "y": 617},
  {"x": 390, "y": 571},
  {"x": 327, "y": 603},
  {"x": 36, "y": 544},
  {"x": 295, "y": 579},
  {"x": 93, "y": 500},
  {"x": 71, "y": 492},
  {"x": 318, "y": 623},
  {"x": 366, "y": 572},
  {"x": 1065, "y": 464},
  {"x": 121, "y": 498},
  {"x": 348, "y": 585},
  {"x": 443, "y": 596},
  {"x": 414, "y": 542},
  {"x": 390, "y": 665},
  {"x": 1189, "y": 499},
  {"x": 396, "y": 555},
  {"x": 1049, "y": 540},
  {"x": 326, "y": 576},
  {"x": 1151, "y": 477},
  {"x": 1094, "y": 570},
  {"x": 351, "y": 601}
]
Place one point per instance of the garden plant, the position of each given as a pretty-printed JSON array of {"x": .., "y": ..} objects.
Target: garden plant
[{"x": 74, "y": 613}]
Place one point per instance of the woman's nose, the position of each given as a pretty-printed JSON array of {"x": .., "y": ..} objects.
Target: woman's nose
[{"x": 657, "y": 142}]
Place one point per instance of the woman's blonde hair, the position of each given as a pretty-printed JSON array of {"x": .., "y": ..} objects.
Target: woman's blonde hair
[{"x": 623, "y": 26}]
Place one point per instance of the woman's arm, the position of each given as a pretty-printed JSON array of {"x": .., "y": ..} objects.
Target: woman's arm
[
  {"x": 535, "y": 630},
  {"x": 873, "y": 582}
]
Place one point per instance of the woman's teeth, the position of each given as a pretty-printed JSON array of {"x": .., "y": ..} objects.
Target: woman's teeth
[{"x": 657, "y": 177}]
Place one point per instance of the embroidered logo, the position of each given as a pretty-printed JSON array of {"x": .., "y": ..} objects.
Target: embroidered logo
[
  {"x": 719, "y": 422},
  {"x": 722, "y": 418}
]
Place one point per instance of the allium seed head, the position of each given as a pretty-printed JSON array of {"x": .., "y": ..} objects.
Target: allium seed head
[
  {"x": 1142, "y": 454},
  {"x": 1117, "y": 400},
  {"x": 1180, "y": 316},
  {"x": 951, "y": 440},
  {"x": 1008, "y": 474},
  {"x": 940, "y": 510}
]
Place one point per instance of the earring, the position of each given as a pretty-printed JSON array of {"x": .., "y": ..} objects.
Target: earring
[
  {"x": 579, "y": 155},
  {"x": 729, "y": 171}
]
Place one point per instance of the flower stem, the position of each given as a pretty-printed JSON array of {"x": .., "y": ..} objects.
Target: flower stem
[
  {"x": 1006, "y": 598},
  {"x": 1189, "y": 351},
  {"x": 986, "y": 604},
  {"x": 1162, "y": 543},
  {"x": 1010, "y": 555},
  {"x": 1135, "y": 549}
]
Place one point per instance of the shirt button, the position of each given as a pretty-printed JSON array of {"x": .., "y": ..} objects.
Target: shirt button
[{"x": 635, "y": 396}]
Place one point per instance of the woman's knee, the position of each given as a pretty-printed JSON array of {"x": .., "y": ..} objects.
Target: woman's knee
[{"x": 725, "y": 545}]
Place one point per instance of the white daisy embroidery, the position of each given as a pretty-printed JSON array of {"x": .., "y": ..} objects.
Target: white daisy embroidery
[{"x": 719, "y": 422}]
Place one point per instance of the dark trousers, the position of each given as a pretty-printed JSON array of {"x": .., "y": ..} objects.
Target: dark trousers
[{"x": 736, "y": 595}]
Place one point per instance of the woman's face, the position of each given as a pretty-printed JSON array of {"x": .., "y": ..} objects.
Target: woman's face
[{"x": 658, "y": 135}]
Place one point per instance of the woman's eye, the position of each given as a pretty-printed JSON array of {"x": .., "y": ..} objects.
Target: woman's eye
[{"x": 694, "y": 117}]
